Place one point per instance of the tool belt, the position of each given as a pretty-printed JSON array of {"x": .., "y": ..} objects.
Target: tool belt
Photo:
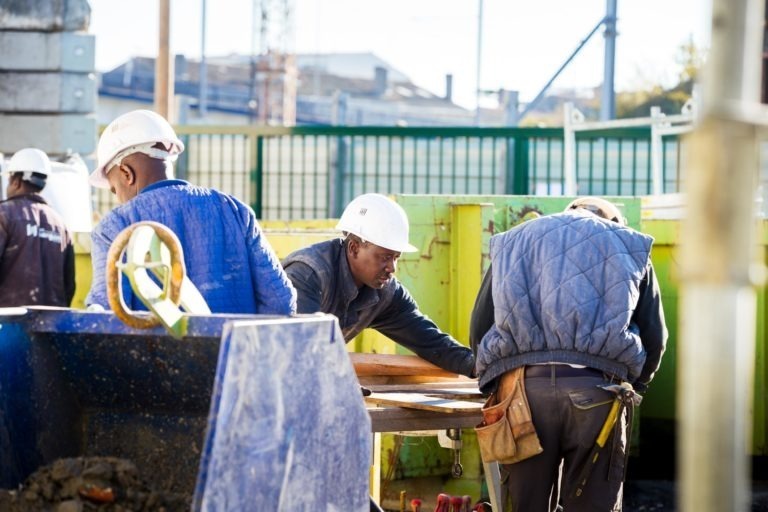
[{"x": 507, "y": 434}]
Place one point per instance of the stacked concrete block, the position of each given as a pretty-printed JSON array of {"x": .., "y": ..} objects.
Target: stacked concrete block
[{"x": 47, "y": 82}]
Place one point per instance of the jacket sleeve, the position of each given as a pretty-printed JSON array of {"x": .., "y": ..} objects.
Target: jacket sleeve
[
  {"x": 405, "y": 324},
  {"x": 101, "y": 239},
  {"x": 307, "y": 284},
  {"x": 99, "y": 247},
  {"x": 69, "y": 273},
  {"x": 649, "y": 318},
  {"x": 482, "y": 313},
  {"x": 274, "y": 292}
]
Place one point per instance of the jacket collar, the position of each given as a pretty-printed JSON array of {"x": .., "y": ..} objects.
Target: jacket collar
[
  {"x": 363, "y": 297},
  {"x": 34, "y": 197},
  {"x": 162, "y": 184}
]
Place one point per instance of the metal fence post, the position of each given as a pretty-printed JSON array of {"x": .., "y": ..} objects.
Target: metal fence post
[
  {"x": 518, "y": 175},
  {"x": 257, "y": 173},
  {"x": 571, "y": 116},
  {"x": 511, "y": 117},
  {"x": 657, "y": 120}
]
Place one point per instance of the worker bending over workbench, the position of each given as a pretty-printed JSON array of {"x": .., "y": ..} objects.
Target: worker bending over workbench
[
  {"x": 353, "y": 278},
  {"x": 226, "y": 254}
]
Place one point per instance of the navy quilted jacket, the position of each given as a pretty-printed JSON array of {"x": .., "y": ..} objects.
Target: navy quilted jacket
[
  {"x": 227, "y": 256},
  {"x": 564, "y": 290}
]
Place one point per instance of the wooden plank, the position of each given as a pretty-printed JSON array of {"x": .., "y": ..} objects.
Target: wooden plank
[
  {"x": 399, "y": 419},
  {"x": 438, "y": 391},
  {"x": 393, "y": 364},
  {"x": 370, "y": 380},
  {"x": 422, "y": 402}
]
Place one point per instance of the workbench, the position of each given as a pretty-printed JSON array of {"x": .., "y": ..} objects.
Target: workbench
[{"x": 427, "y": 406}]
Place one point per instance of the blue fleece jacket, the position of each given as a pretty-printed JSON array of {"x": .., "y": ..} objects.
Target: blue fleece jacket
[{"x": 227, "y": 257}]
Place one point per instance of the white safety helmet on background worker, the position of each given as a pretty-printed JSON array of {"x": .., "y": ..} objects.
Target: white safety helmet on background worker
[
  {"x": 377, "y": 219},
  {"x": 135, "y": 132},
  {"x": 598, "y": 206},
  {"x": 30, "y": 161}
]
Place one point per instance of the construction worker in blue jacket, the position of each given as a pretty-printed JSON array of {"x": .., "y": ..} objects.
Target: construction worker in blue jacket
[
  {"x": 573, "y": 298},
  {"x": 226, "y": 254}
]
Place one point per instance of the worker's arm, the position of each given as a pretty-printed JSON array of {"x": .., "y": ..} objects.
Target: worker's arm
[
  {"x": 100, "y": 243},
  {"x": 102, "y": 237},
  {"x": 69, "y": 273},
  {"x": 307, "y": 284},
  {"x": 649, "y": 318},
  {"x": 405, "y": 324},
  {"x": 3, "y": 239},
  {"x": 482, "y": 314},
  {"x": 274, "y": 292}
]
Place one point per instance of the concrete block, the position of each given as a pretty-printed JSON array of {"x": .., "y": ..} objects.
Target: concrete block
[
  {"x": 54, "y": 134},
  {"x": 46, "y": 15},
  {"x": 47, "y": 92},
  {"x": 47, "y": 51}
]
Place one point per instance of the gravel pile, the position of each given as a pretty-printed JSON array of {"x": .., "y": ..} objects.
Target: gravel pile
[{"x": 90, "y": 483}]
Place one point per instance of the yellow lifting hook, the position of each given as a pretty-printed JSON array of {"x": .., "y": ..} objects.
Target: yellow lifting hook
[{"x": 151, "y": 246}]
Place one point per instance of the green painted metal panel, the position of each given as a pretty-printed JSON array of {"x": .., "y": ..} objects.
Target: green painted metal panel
[
  {"x": 430, "y": 275},
  {"x": 660, "y": 399}
]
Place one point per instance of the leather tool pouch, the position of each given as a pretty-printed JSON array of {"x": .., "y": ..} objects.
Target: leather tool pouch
[{"x": 507, "y": 434}]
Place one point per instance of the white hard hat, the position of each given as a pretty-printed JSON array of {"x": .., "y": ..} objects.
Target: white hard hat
[
  {"x": 28, "y": 161},
  {"x": 377, "y": 219},
  {"x": 134, "y": 132},
  {"x": 600, "y": 207}
]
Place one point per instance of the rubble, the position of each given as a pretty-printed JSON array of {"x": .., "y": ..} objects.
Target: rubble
[{"x": 90, "y": 484}]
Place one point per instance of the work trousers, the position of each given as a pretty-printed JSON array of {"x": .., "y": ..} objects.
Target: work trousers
[{"x": 568, "y": 412}]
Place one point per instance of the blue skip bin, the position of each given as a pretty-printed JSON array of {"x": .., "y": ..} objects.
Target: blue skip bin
[{"x": 244, "y": 412}]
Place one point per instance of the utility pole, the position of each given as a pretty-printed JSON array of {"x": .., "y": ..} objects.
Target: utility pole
[
  {"x": 479, "y": 59},
  {"x": 164, "y": 65},
  {"x": 608, "y": 99},
  {"x": 202, "y": 102}
]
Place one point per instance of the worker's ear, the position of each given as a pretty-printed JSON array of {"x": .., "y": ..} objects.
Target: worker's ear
[
  {"x": 127, "y": 173},
  {"x": 353, "y": 247}
]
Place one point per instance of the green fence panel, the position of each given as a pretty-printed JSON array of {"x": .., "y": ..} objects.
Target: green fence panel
[{"x": 313, "y": 172}]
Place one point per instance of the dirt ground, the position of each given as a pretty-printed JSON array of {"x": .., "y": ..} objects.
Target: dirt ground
[
  {"x": 659, "y": 496},
  {"x": 90, "y": 484}
]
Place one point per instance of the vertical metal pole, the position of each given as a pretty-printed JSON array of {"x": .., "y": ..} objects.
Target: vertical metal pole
[
  {"x": 657, "y": 186},
  {"x": 202, "y": 105},
  {"x": 466, "y": 265},
  {"x": 479, "y": 60},
  {"x": 164, "y": 64},
  {"x": 569, "y": 150},
  {"x": 716, "y": 353},
  {"x": 608, "y": 99}
]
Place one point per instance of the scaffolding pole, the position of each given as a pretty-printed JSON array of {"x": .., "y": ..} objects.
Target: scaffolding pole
[{"x": 718, "y": 253}]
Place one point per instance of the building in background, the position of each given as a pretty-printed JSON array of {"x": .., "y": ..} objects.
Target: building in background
[{"x": 349, "y": 89}]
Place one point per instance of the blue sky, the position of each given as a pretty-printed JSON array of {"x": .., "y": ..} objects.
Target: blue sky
[{"x": 523, "y": 43}]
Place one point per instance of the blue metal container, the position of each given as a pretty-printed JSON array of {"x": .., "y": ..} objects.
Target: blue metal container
[{"x": 286, "y": 417}]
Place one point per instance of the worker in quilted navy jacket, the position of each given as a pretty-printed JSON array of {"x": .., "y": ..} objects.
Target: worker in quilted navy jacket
[
  {"x": 353, "y": 279},
  {"x": 573, "y": 298},
  {"x": 226, "y": 254}
]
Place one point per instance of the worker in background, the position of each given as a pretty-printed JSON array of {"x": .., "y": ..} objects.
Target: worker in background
[
  {"x": 353, "y": 279},
  {"x": 573, "y": 298},
  {"x": 226, "y": 254},
  {"x": 37, "y": 259}
]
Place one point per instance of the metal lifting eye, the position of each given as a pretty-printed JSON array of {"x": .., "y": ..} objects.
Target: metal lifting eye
[{"x": 152, "y": 247}]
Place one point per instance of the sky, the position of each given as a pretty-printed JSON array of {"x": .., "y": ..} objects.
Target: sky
[{"x": 523, "y": 43}]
